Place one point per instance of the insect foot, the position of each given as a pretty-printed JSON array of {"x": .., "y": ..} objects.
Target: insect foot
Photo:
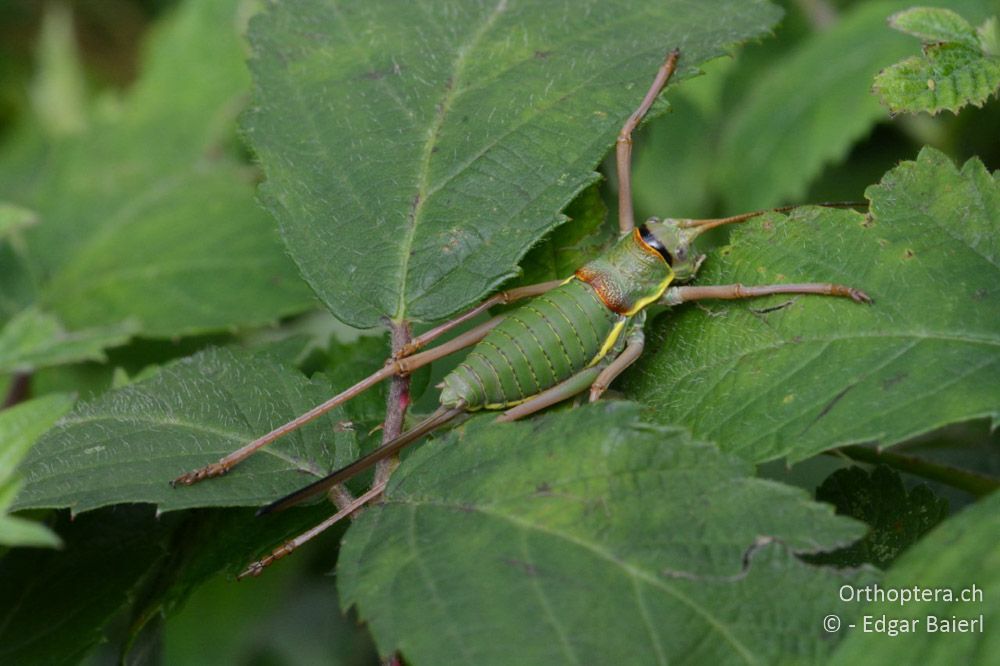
[
  {"x": 206, "y": 472},
  {"x": 255, "y": 569},
  {"x": 859, "y": 296}
]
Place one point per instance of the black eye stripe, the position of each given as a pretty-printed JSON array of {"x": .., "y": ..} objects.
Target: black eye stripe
[{"x": 653, "y": 242}]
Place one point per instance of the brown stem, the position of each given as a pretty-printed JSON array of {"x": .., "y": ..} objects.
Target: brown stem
[
  {"x": 340, "y": 496},
  {"x": 396, "y": 402},
  {"x": 395, "y": 413},
  {"x": 20, "y": 386}
]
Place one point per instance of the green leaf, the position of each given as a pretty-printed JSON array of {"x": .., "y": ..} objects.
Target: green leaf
[
  {"x": 13, "y": 218},
  {"x": 17, "y": 285},
  {"x": 795, "y": 376},
  {"x": 56, "y": 602},
  {"x": 422, "y": 158},
  {"x": 202, "y": 544},
  {"x": 570, "y": 245},
  {"x": 583, "y": 536},
  {"x": 146, "y": 214},
  {"x": 810, "y": 109},
  {"x": 273, "y": 620},
  {"x": 960, "y": 555},
  {"x": 989, "y": 36},
  {"x": 347, "y": 364},
  {"x": 124, "y": 562},
  {"x": 20, "y": 427},
  {"x": 673, "y": 168},
  {"x": 945, "y": 78},
  {"x": 34, "y": 339},
  {"x": 959, "y": 65},
  {"x": 190, "y": 413},
  {"x": 935, "y": 25},
  {"x": 898, "y": 518}
]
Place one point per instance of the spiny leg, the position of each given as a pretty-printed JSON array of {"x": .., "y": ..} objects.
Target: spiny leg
[
  {"x": 499, "y": 298},
  {"x": 256, "y": 568},
  {"x": 678, "y": 295},
  {"x": 575, "y": 385},
  {"x": 392, "y": 367},
  {"x": 633, "y": 349},
  {"x": 623, "y": 148}
]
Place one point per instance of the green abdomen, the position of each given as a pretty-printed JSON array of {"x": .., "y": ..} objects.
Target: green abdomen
[{"x": 538, "y": 345}]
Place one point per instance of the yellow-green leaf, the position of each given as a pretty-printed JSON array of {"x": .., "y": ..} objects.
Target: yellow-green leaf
[{"x": 959, "y": 65}]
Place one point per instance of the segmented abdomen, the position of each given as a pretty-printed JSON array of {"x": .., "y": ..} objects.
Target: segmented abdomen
[{"x": 538, "y": 345}]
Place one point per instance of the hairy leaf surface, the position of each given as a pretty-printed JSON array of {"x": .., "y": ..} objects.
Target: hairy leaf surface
[
  {"x": 422, "y": 158},
  {"x": 792, "y": 376},
  {"x": 935, "y": 24},
  {"x": 959, "y": 65},
  {"x": 582, "y": 536},
  {"x": 128, "y": 444}
]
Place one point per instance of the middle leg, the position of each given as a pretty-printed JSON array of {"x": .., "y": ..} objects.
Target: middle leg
[{"x": 633, "y": 350}]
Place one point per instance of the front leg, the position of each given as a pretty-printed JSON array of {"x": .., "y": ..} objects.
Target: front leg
[
  {"x": 678, "y": 295},
  {"x": 623, "y": 147}
]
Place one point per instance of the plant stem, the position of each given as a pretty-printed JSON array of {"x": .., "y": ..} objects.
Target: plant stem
[
  {"x": 396, "y": 403},
  {"x": 972, "y": 483}
]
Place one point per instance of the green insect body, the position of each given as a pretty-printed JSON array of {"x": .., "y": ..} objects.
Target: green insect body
[
  {"x": 570, "y": 338},
  {"x": 556, "y": 335},
  {"x": 534, "y": 348}
]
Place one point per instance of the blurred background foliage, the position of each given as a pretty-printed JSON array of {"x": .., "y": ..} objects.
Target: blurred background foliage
[{"x": 725, "y": 147}]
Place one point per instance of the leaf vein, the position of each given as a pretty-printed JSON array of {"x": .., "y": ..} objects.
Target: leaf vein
[{"x": 433, "y": 134}]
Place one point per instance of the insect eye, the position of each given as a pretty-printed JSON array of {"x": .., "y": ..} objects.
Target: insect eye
[
  {"x": 681, "y": 254},
  {"x": 653, "y": 242}
]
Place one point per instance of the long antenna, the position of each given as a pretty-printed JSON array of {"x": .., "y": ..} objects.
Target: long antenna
[{"x": 704, "y": 225}]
